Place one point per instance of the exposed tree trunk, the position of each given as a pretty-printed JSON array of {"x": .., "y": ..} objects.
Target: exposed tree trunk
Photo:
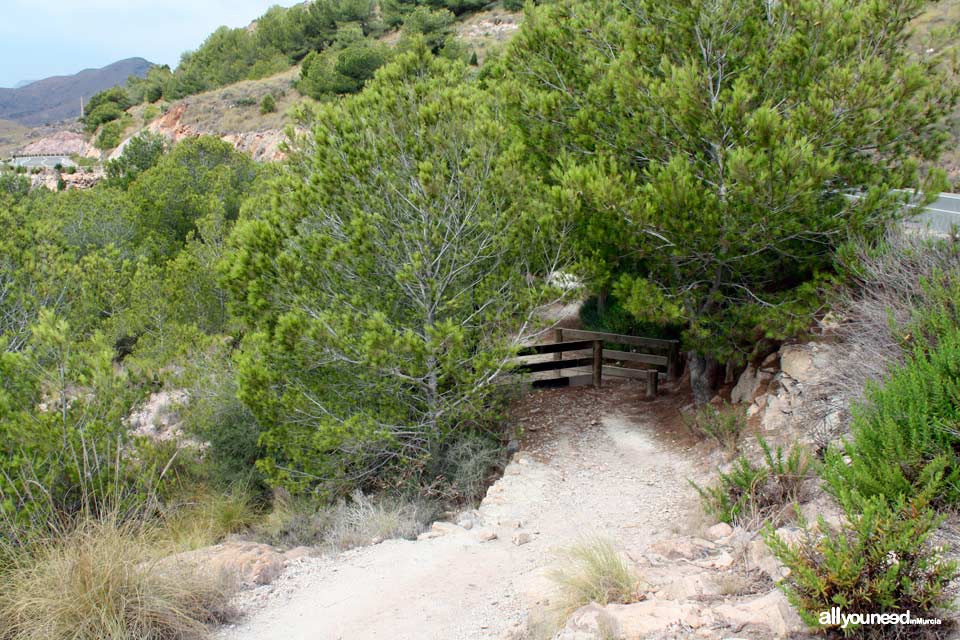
[
  {"x": 700, "y": 377},
  {"x": 602, "y": 296}
]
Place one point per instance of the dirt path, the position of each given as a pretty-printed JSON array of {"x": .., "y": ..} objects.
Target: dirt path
[{"x": 592, "y": 463}]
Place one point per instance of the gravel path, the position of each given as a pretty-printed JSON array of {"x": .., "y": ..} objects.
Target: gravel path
[{"x": 592, "y": 463}]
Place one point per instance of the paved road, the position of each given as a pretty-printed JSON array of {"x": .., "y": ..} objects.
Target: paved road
[
  {"x": 942, "y": 215},
  {"x": 43, "y": 161}
]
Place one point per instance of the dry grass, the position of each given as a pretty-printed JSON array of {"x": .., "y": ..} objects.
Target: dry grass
[
  {"x": 101, "y": 581},
  {"x": 359, "y": 521},
  {"x": 12, "y": 137},
  {"x": 888, "y": 292},
  {"x": 595, "y": 571},
  {"x": 207, "y": 518}
]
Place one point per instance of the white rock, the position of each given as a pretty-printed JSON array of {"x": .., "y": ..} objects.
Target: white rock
[
  {"x": 771, "y": 610},
  {"x": 522, "y": 537},
  {"x": 719, "y": 531},
  {"x": 485, "y": 535},
  {"x": 797, "y": 362}
]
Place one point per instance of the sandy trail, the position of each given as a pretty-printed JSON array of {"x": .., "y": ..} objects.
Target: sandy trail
[{"x": 592, "y": 463}]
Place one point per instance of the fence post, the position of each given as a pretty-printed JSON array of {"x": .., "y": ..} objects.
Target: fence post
[
  {"x": 597, "y": 363},
  {"x": 653, "y": 380}
]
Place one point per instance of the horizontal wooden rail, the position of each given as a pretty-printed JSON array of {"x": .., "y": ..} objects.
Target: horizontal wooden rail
[
  {"x": 553, "y": 365},
  {"x": 616, "y": 338},
  {"x": 557, "y": 347}
]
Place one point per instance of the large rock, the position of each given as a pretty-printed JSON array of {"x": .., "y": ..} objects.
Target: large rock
[
  {"x": 771, "y": 611},
  {"x": 797, "y": 362},
  {"x": 654, "y": 617}
]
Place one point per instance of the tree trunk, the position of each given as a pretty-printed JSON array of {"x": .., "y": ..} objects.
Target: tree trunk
[{"x": 699, "y": 377}]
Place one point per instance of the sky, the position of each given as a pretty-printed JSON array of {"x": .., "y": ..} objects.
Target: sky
[{"x": 61, "y": 37}]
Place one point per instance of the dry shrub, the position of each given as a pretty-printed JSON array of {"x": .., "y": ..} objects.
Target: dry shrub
[
  {"x": 101, "y": 581},
  {"x": 889, "y": 289},
  {"x": 594, "y": 571},
  {"x": 723, "y": 424},
  {"x": 346, "y": 524}
]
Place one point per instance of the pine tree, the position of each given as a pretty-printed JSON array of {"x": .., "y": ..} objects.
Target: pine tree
[{"x": 703, "y": 149}]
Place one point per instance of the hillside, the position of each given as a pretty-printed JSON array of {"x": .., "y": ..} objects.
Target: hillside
[{"x": 58, "y": 98}]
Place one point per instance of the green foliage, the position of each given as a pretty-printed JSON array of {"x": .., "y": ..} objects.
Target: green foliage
[
  {"x": 110, "y": 136},
  {"x": 141, "y": 153},
  {"x": 698, "y": 150},
  {"x": 149, "y": 88},
  {"x": 200, "y": 177},
  {"x": 268, "y": 104},
  {"x": 376, "y": 330},
  {"x": 344, "y": 68},
  {"x": 881, "y": 561},
  {"x": 749, "y": 495},
  {"x": 61, "y": 427},
  {"x": 105, "y": 107},
  {"x": 904, "y": 440},
  {"x": 721, "y": 424},
  {"x": 435, "y": 26}
]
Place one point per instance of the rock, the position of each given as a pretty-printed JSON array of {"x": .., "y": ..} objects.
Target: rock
[
  {"x": 797, "y": 362},
  {"x": 676, "y": 549},
  {"x": 771, "y": 610},
  {"x": 751, "y": 384},
  {"x": 485, "y": 535},
  {"x": 249, "y": 562},
  {"x": 445, "y": 528},
  {"x": 688, "y": 587},
  {"x": 719, "y": 531},
  {"x": 521, "y": 538},
  {"x": 158, "y": 417},
  {"x": 761, "y": 558},
  {"x": 653, "y": 616},
  {"x": 771, "y": 362},
  {"x": 590, "y": 622}
]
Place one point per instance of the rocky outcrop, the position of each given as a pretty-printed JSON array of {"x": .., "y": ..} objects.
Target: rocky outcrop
[
  {"x": 61, "y": 143},
  {"x": 785, "y": 395},
  {"x": 263, "y": 146}
]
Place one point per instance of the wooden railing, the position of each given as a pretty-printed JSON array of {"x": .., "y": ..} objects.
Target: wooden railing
[{"x": 588, "y": 351}]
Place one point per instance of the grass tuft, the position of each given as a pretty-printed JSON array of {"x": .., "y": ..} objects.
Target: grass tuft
[
  {"x": 101, "y": 581},
  {"x": 595, "y": 571}
]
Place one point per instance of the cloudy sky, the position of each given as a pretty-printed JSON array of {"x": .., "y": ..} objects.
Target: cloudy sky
[{"x": 60, "y": 37}]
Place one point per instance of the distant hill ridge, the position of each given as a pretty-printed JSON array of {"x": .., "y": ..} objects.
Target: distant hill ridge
[{"x": 58, "y": 98}]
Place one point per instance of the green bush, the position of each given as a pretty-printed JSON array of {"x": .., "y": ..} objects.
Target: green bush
[
  {"x": 340, "y": 70},
  {"x": 750, "y": 494},
  {"x": 110, "y": 136},
  {"x": 882, "y": 561},
  {"x": 268, "y": 104},
  {"x": 904, "y": 439},
  {"x": 722, "y": 425}
]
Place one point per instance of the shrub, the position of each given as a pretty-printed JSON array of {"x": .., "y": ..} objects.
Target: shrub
[
  {"x": 904, "y": 440},
  {"x": 346, "y": 523},
  {"x": 110, "y": 136},
  {"x": 722, "y": 425},
  {"x": 102, "y": 580},
  {"x": 881, "y": 562},
  {"x": 268, "y": 104},
  {"x": 749, "y": 495},
  {"x": 207, "y": 518},
  {"x": 595, "y": 571},
  {"x": 464, "y": 467}
]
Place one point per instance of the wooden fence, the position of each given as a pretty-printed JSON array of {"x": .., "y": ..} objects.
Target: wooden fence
[{"x": 576, "y": 350}]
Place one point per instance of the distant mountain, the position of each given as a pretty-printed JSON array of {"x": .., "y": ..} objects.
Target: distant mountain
[
  {"x": 23, "y": 83},
  {"x": 58, "y": 98}
]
